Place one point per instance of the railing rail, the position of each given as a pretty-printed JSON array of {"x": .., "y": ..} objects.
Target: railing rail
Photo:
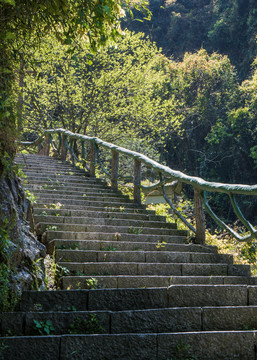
[{"x": 166, "y": 174}]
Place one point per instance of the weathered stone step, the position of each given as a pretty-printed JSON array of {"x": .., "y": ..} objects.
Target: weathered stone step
[
  {"x": 124, "y": 246},
  {"x": 54, "y": 169},
  {"x": 149, "y": 281},
  {"x": 104, "y": 203},
  {"x": 80, "y": 193},
  {"x": 73, "y": 199},
  {"x": 135, "y": 299},
  {"x": 141, "y": 257},
  {"x": 179, "y": 236},
  {"x": 42, "y": 227},
  {"x": 101, "y": 221},
  {"x": 44, "y": 162},
  {"x": 53, "y": 231},
  {"x": 213, "y": 345},
  {"x": 54, "y": 173},
  {"x": 81, "y": 181},
  {"x": 216, "y": 280},
  {"x": 90, "y": 184},
  {"x": 67, "y": 178},
  {"x": 109, "y": 210},
  {"x": 36, "y": 157},
  {"x": 33, "y": 159},
  {"x": 146, "y": 215},
  {"x": 178, "y": 319},
  {"x": 153, "y": 269}
]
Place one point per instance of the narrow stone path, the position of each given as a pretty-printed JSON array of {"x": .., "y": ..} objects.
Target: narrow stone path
[{"x": 135, "y": 290}]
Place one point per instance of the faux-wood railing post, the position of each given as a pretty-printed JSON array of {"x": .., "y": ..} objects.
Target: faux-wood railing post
[
  {"x": 39, "y": 148},
  {"x": 115, "y": 169},
  {"x": 83, "y": 150},
  {"x": 63, "y": 148},
  {"x": 92, "y": 159},
  {"x": 47, "y": 145},
  {"x": 199, "y": 218},
  {"x": 137, "y": 181},
  {"x": 46, "y": 149}
]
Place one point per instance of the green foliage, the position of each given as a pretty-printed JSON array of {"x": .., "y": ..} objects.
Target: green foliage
[
  {"x": 182, "y": 352},
  {"x": 249, "y": 252},
  {"x": 108, "y": 248},
  {"x": 37, "y": 269},
  {"x": 31, "y": 197},
  {"x": 22, "y": 26},
  {"x": 227, "y": 27},
  {"x": 116, "y": 91},
  {"x": 43, "y": 327},
  {"x": 8, "y": 296},
  {"x": 51, "y": 228},
  {"x": 185, "y": 207},
  {"x": 54, "y": 273},
  {"x": 3, "y": 347},
  {"x": 92, "y": 283},
  {"x": 160, "y": 245},
  {"x": 83, "y": 326},
  {"x": 68, "y": 247},
  {"x": 205, "y": 89},
  {"x": 134, "y": 230}
]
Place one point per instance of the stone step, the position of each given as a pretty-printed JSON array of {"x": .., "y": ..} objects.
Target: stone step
[
  {"x": 92, "y": 256},
  {"x": 42, "y": 227},
  {"x": 101, "y": 221},
  {"x": 204, "y": 345},
  {"x": 52, "y": 232},
  {"x": 54, "y": 170},
  {"x": 66, "y": 178},
  {"x": 39, "y": 159},
  {"x": 148, "y": 281},
  {"x": 90, "y": 184},
  {"x": 61, "y": 191},
  {"x": 141, "y": 298},
  {"x": 126, "y": 246},
  {"x": 152, "y": 269},
  {"x": 174, "y": 319},
  {"x": 73, "y": 199},
  {"x": 41, "y": 164},
  {"x": 179, "y": 236},
  {"x": 98, "y": 207},
  {"x": 45, "y": 167},
  {"x": 71, "y": 181},
  {"x": 104, "y": 203},
  {"x": 142, "y": 215}
]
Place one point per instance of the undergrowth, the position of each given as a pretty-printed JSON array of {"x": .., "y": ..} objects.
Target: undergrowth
[
  {"x": 243, "y": 252},
  {"x": 53, "y": 273},
  {"x": 8, "y": 295}
]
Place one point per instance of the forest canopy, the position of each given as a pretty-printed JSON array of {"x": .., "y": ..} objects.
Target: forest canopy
[
  {"x": 192, "y": 108},
  {"x": 227, "y": 27}
]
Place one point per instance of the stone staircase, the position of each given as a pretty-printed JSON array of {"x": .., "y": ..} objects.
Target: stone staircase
[{"x": 137, "y": 288}]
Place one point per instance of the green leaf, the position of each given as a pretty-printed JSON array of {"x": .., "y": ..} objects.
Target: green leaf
[{"x": 11, "y": 2}]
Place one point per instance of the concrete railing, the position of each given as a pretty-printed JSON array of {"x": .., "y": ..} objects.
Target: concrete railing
[{"x": 67, "y": 139}]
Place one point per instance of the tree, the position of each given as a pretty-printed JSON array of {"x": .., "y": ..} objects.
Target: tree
[
  {"x": 96, "y": 22},
  {"x": 116, "y": 93},
  {"x": 205, "y": 88},
  {"x": 238, "y": 136},
  {"x": 227, "y": 27}
]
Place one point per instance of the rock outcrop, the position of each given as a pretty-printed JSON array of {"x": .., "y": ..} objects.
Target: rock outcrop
[{"x": 21, "y": 255}]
